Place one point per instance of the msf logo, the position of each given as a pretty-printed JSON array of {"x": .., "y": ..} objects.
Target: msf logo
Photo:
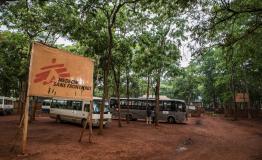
[{"x": 51, "y": 73}]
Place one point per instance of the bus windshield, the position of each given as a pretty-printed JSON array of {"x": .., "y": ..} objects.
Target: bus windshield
[{"x": 97, "y": 106}]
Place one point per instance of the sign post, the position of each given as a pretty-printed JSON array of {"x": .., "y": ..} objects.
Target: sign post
[
  {"x": 25, "y": 125},
  {"x": 242, "y": 97},
  {"x": 57, "y": 73},
  {"x": 89, "y": 117}
]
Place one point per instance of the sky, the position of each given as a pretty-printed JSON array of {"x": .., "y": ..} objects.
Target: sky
[{"x": 186, "y": 55}]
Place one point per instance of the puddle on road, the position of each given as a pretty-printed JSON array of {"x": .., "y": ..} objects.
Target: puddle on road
[{"x": 181, "y": 149}]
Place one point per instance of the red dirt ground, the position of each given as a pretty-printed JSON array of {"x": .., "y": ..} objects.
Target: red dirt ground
[{"x": 205, "y": 138}]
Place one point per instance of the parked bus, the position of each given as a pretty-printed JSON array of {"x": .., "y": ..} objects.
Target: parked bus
[
  {"x": 171, "y": 110},
  {"x": 77, "y": 111},
  {"x": 46, "y": 105},
  {"x": 6, "y": 105}
]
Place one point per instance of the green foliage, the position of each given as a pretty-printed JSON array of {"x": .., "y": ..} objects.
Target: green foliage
[
  {"x": 225, "y": 23},
  {"x": 13, "y": 61},
  {"x": 141, "y": 39},
  {"x": 38, "y": 20}
]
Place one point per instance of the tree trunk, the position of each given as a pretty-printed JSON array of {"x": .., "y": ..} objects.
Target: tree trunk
[
  {"x": 105, "y": 97},
  {"x": 118, "y": 105},
  {"x": 148, "y": 87},
  {"x": 22, "y": 99},
  {"x": 90, "y": 121},
  {"x": 157, "y": 100},
  {"x": 18, "y": 112},
  {"x": 233, "y": 88},
  {"x": 34, "y": 105},
  {"x": 147, "y": 91},
  {"x": 106, "y": 73},
  {"x": 214, "y": 101},
  {"x": 111, "y": 19},
  {"x": 117, "y": 84},
  {"x": 26, "y": 103},
  {"x": 248, "y": 100},
  {"x": 94, "y": 84},
  {"x": 127, "y": 94},
  {"x": 234, "y": 98}
]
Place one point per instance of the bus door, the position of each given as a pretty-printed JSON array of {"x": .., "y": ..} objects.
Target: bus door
[
  {"x": 85, "y": 109},
  {"x": 164, "y": 108},
  {"x": 181, "y": 113}
]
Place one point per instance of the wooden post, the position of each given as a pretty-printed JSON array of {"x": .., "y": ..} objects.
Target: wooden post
[
  {"x": 26, "y": 108},
  {"x": 25, "y": 126},
  {"x": 90, "y": 121},
  {"x": 89, "y": 118},
  {"x": 34, "y": 107}
]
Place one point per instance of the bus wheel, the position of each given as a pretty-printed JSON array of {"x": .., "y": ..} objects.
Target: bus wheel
[
  {"x": 129, "y": 117},
  {"x": 83, "y": 122},
  {"x": 58, "y": 119},
  {"x": 171, "y": 120}
]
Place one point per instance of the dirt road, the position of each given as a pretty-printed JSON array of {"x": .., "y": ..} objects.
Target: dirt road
[{"x": 205, "y": 138}]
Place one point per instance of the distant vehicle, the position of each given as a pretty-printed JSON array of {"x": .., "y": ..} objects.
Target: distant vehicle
[
  {"x": 77, "y": 111},
  {"x": 192, "y": 107},
  {"x": 46, "y": 105},
  {"x": 171, "y": 110},
  {"x": 6, "y": 105},
  {"x": 194, "y": 111}
]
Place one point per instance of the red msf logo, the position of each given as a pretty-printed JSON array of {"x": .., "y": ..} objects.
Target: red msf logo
[{"x": 51, "y": 72}]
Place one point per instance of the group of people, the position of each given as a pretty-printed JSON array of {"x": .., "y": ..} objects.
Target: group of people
[{"x": 150, "y": 115}]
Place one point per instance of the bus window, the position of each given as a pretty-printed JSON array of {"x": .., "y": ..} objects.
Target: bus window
[
  {"x": 106, "y": 108},
  {"x": 53, "y": 103},
  {"x": 168, "y": 106},
  {"x": 136, "y": 105},
  {"x": 152, "y": 103},
  {"x": 123, "y": 103},
  {"x": 139, "y": 105},
  {"x": 173, "y": 106},
  {"x": 143, "y": 105},
  {"x": 180, "y": 106},
  {"x": 61, "y": 104},
  {"x": 131, "y": 105},
  {"x": 1, "y": 101},
  {"x": 57, "y": 104},
  {"x": 96, "y": 107},
  {"x": 183, "y": 107},
  {"x": 87, "y": 107},
  {"x": 77, "y": 105},
  {"x": 69, "y": 105},
  {"x": 46, "y": 103},
  {"x": 8, "y": 102},
  {"x": 162, "y": 106},
  {"x": 113, "y": 102}
]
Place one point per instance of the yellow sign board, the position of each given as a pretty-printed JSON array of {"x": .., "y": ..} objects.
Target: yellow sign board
[{"x": 57, "y": 73}]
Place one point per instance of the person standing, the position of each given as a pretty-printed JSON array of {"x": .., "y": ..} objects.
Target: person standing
[
  {"x": 148, "y": 115},
  {"x": 153, "y": 115}
]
